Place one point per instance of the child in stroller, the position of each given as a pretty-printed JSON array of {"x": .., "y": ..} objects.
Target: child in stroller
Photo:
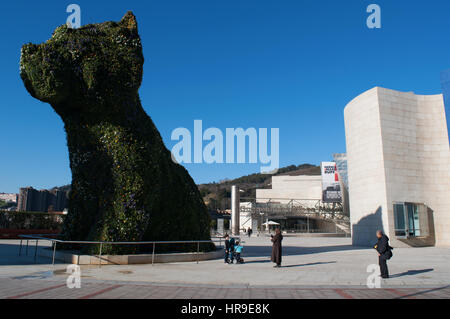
[{"x": 237, "y": 253}]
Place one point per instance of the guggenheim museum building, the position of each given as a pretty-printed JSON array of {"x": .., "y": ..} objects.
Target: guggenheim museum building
[{"x": 398, "y": 159}]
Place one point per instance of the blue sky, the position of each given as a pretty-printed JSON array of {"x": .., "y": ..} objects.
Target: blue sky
[{"x": 291, "y": 65}]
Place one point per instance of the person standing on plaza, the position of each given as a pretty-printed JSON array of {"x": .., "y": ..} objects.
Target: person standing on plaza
[
  {"x": 384, "y": 253},
  {"x": 229, "y": 249},
  {"x": 276, "y": 248}
]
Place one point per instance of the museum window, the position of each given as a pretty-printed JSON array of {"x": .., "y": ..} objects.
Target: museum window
[{"x": 407, "y": 219}]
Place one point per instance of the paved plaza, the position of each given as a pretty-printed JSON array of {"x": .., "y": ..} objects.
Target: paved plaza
[{"x": 312, "y": 268}]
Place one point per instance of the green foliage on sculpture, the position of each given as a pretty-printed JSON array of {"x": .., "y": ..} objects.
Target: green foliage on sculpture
[{"x": 125, "y": 186}]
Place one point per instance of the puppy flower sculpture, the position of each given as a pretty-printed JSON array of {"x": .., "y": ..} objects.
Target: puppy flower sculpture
[{"x": 125, "y": 186}]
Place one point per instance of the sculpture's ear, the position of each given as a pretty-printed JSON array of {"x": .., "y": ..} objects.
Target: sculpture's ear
[{"x": 129, "y": 21}]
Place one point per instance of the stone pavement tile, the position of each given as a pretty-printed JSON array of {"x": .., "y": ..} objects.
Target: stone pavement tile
[
  {"x": 401, "y": 293},
  {"x": 98, "y": 292},
  {"x": 188, "y": 293},
  {"x": 10, "y": 287},
  {"x": 258, "y": 293},
  {"x": 152, "y": 293},
  {"x": 247, "y": 294},
  {"x": 303, "y": 294},
  {"x": 166, "y": 293},
  {"x": 127, "y": 292},
  {"x": 227, "y": 293},
  {"x": 205, "y": 293},
  {"x": 185, "y": 293},
  {"x": 147, "y": 292},
  {"x": 325, "y": 293},
  {"x": 28, "y": 289},
  {"x": 343, "y": 293},
  {"x": 442, "y": 292},
  {"x": 446, "y": 293},
  {"x": 271, "y": 292},
  {"x": 280, "y": 293},
  {"x": 234, "y": 293},
  {"x": 292, "y": 294},
  {"x": 63, "y": 292},
  {"x": 219, "y": 293},
  {"x": 329, "y": 294},
  {"x": 121, "y": 292},
  {"x": 371, "y": 293},
  {"x": 54, "y": 289}
]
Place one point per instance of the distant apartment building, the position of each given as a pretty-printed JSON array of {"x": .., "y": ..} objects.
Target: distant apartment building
[
  {"x": 34, "y": 200},
  {"x": 9, "y": 197}
]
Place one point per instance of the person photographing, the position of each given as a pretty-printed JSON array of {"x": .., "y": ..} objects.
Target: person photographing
[{"x": 384, "y": 253}]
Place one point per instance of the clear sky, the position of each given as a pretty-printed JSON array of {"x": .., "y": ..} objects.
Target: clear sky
[{"x": 291, "y": 65}]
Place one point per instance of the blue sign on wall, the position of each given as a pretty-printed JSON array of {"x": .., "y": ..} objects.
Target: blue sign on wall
[{"x": 445, "y": 80}]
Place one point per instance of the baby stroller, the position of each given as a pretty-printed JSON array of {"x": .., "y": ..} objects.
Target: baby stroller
[{"x": 236, "y": 253}]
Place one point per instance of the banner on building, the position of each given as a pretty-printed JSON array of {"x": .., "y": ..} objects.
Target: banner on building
[{"x": 331, "y": 188}]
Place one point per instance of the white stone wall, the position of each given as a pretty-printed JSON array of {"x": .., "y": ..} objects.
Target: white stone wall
[
  {"x": 292, "y": 187},
  {"x": 402, "y": 139},
  {"x": 366, "y": 178}
]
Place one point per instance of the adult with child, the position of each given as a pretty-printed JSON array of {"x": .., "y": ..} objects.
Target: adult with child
[
  {"x": 276, "y": 248},
  {"x": 229, "y": 248}
]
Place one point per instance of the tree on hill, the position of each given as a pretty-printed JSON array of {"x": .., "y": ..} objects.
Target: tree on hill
[{"x": 217, "y": 195}]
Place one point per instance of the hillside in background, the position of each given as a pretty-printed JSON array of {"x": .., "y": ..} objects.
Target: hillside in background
[{"x": 217, "y": 195}]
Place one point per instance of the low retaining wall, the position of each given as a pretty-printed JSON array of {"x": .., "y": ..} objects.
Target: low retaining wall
[{"x": 72, "y": 257}]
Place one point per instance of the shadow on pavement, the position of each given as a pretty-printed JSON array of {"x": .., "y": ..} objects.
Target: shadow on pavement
[
  {"x": 263, "y": 251},
  {"x": 310, "y": 264},
  {"x": 9, "y": 255},
  {"x": 423, "y": 292},
  {"x": 412, "y": 272},
  {"x": 258, "y": 261}
]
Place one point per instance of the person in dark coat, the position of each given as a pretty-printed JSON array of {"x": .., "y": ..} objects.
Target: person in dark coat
[
  {"x": 384, "y": 253},
  {"x": 276, "y": 248},
  {"x": 229, "y": 248}
]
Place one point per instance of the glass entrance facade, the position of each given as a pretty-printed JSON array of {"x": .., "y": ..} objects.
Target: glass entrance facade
[{"x": 407, "y": 221}]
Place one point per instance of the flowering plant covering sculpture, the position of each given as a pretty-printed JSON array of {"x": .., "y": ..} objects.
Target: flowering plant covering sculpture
[{"x": 125, "y": 186}]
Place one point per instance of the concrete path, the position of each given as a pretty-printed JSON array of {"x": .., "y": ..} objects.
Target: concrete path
[
  {"x": 41, "y": 289},
  {"x": 312, "y": 268}
]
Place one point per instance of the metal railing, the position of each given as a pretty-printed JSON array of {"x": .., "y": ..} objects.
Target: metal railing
[{"x": 55, "y": 241}]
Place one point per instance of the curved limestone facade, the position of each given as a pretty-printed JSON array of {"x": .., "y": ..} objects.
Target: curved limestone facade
[{"x": 398, "y": 156}]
